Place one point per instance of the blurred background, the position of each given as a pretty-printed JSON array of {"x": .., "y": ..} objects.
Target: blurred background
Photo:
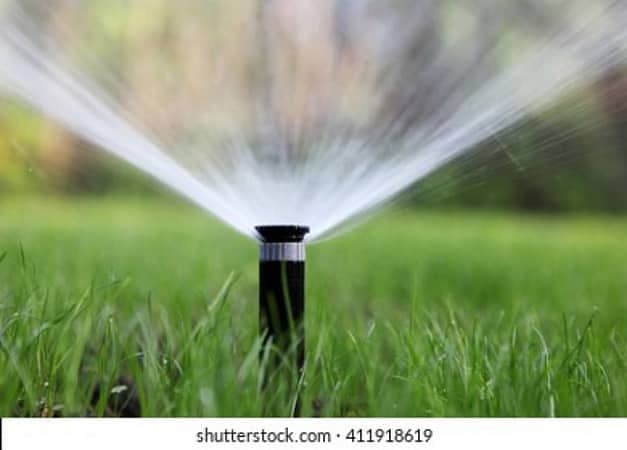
[
  {"x": 112, "y": 292},
  {"x": 572, "y": 157}
]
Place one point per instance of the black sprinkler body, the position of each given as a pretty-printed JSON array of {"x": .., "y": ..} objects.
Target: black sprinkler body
[{"x": 282, "y": 294}]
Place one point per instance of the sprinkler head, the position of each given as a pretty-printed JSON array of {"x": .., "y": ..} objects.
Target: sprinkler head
[
  {"x": 282, "y": 299},
  {"x": 282, "y": 242}
]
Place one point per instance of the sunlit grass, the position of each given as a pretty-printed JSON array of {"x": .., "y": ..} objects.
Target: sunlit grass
[{"x": 119, "y": 307}]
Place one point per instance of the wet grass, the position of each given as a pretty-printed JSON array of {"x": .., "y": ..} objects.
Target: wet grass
[{"x": 126, "y": 307}]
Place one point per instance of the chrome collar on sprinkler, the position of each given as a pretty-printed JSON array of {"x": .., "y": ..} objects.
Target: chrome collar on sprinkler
[{"x": 282, "y": 290}]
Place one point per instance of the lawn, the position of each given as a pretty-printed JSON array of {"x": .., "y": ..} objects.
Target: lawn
[{"x": 118, "y": 306}]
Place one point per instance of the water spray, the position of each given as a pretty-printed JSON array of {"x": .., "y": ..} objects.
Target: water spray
[
  {"x": 282, "y": 294},
  {"x": 366, "y": 115}
]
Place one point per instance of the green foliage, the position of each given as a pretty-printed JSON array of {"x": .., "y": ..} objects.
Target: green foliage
[
  {"x": 19, "y": 142},
  {"x": 115, "y": 307}
]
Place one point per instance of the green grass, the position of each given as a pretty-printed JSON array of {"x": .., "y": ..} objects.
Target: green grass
[{"x": 110, "y": 306}]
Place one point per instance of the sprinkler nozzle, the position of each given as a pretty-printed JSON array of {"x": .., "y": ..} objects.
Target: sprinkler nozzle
[{"x": 282, "y": 233}]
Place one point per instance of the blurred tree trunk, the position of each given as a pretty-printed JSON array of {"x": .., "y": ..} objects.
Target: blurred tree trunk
[
  {"x": 612, "y": 90},
  {"x": 68, "y": 164}
]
